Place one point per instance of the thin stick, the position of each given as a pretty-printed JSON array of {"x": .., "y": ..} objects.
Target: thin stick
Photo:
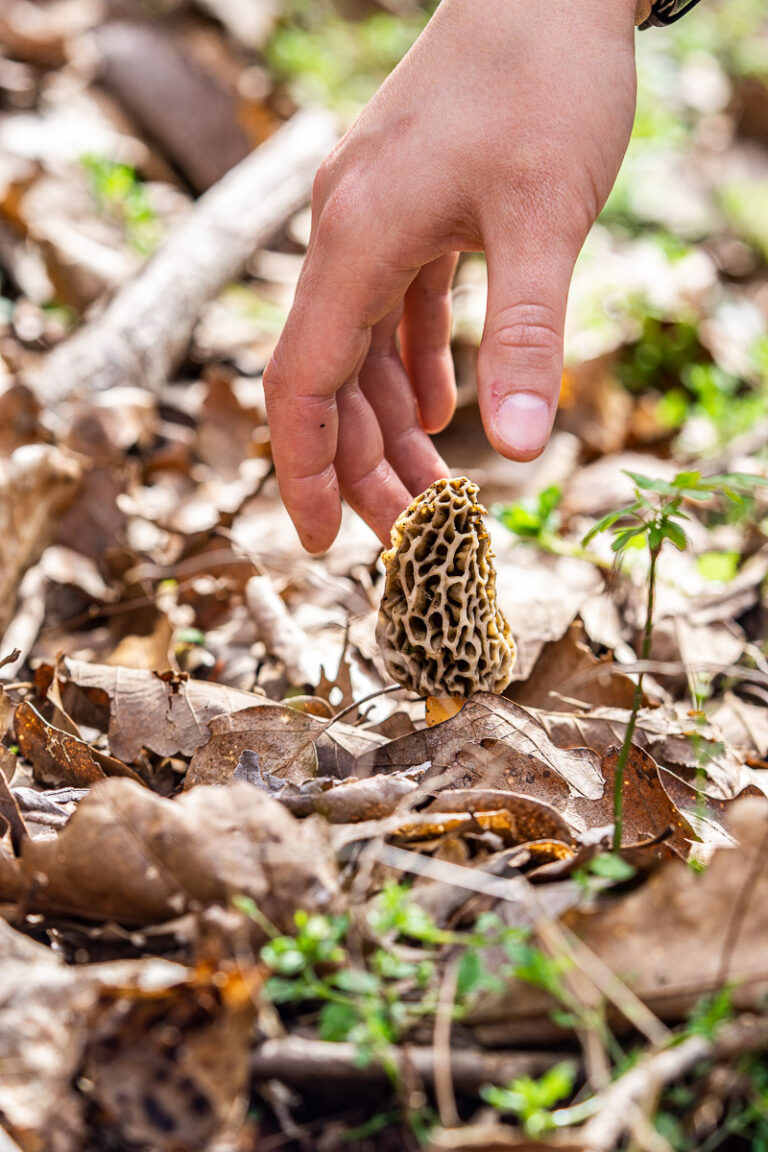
[
  {"x": 615, "y": 1107},
  {"x": 441, "y": 1047}
]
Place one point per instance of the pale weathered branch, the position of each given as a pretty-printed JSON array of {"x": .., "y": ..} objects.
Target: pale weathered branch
[
  {"x": 144, "y": 332},
  {"x": 616, "y": 1106}
]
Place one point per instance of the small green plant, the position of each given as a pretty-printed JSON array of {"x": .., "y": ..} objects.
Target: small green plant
[
  {"x": 536, "y": 520},
  {"x": 606, "y": 868},
  {"x": 121, "y": 195},
  {"x": 532, "y": 1101},
  {"x": 335, "y": 61},
  {"x": 654, "y": 518},
  {"x": 374, "y": 998}
]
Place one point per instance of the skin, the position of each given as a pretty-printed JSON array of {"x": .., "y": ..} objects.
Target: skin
[{"x": 502, "y": 130}]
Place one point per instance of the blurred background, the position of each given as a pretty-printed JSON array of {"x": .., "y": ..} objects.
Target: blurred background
[{"x": 116, "y": 114}]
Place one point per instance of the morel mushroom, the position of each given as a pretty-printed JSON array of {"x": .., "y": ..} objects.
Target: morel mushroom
[{"x": 440, "y": 630}]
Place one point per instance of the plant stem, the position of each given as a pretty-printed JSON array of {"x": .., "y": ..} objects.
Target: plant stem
[
  {"x": 637, "y": 701},
  {"x": 551, "y": 542}
]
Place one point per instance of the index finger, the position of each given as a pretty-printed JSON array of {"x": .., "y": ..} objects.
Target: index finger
[{"x": 323, "y": 345}]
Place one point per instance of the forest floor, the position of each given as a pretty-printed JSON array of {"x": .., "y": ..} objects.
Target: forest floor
[{"x": 249, "y": 900}]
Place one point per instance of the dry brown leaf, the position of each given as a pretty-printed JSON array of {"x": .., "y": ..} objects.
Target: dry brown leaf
[
  {"x": 162, "y": 1051},
  {"x": 282, "y": 738},
  {"x": 36, "y": 483},
  {"x": 293, "y": 745},
  {"x": 648, "y": 809},
  {"x": 676, "y": 742},
  {"x": 169, "y": 1068},
  {"x": 541, "y": 596},
  {"x": 59, "y": 758},
  {"x": 350, "y": 801},
  {"x": 532, "y": 819},
  {"x": 699, "y": 931},
  {"x": 528, "y": 750},
  {"x": 743, "y": 725},
  {"x": 131, "y": 856},
  {"x": 566, "y": 669},
  {"x": 595, "y": 406},
  {"x": 167, "y": 714}
]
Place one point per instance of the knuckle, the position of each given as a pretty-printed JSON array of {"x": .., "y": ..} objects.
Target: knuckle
[
  {"x": 531, "y": 328},
  {"x": 336, "y": 218}
]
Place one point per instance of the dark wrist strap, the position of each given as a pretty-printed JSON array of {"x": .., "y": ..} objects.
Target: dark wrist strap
[{"x": 666, "y": 12}]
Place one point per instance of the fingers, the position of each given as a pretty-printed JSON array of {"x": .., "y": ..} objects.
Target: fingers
[
  {"x": 520, "y": 364},
  {"x": 324, "y": 343},
  {"x": 386, "y": 387},
  {"x": 368, "y": 481},
  {"x": 425, "y": 335}
]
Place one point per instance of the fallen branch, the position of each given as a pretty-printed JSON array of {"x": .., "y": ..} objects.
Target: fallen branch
[
  {"x": 298, "y": 1061},
  {"x": 142, "y": 335},
  {"x": 616, "y": 1107}
]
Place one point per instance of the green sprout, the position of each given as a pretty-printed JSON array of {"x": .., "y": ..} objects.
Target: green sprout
[{"x": 655, "y": 518}]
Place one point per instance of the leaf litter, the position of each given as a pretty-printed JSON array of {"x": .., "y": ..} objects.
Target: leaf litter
[{"x": 238, "y": 874}]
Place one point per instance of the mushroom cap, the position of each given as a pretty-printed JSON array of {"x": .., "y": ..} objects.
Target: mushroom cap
[{"x": 440, "y": 629}]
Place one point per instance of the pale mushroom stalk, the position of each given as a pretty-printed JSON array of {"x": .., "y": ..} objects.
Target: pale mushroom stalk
[{"x": 440, "y": 629}]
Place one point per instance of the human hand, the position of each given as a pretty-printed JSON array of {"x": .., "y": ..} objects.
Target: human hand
[{"x": 501, "y": 130}]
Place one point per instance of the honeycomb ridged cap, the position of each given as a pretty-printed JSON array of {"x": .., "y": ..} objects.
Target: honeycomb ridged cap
[{"x": 440, "y": 629}]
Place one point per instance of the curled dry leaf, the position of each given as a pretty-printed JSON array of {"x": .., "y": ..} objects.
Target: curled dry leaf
[
  {"x": 532, "y": 819},
  {"x": 58, "y": 758},
  {"x": 351, "y": 801},
  {"x": 131, "y": 856},
  {"x": 168, "y": 714},
  {"x": 440, "y": 629}
]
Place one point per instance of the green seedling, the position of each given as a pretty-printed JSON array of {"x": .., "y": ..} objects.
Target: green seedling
[
  {"x": 536, "y": 520},
  {"x": 532, "y": 1101},
  {"x": 122, "y": 196},
  {"x": 655, "y": 518}
]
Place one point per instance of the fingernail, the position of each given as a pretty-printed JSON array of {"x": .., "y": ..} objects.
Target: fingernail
[{"x": 522, "y": 422}]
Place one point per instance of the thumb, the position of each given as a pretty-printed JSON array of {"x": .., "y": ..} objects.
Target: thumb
[{"x": 520, "y": 363}]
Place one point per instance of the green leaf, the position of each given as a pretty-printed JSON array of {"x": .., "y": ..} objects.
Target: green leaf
[
  {"x": 282, "y": 991},
  {"x": 610, "y": 866},
  {"x": 531, "y": 1100},
  {"x": 283, "y": 956},
  {"x": 357, "y": 981},
  {"x": 625, "y": 535},
  {"x": 675, "y": 535},
  {"x": 337, "y": 1021},
  {"x": 650, "y": 483},
  {"x": 608, "y": 521},
  {"x": 721, "y": 566},
  {"x": 473, "y": 976}
]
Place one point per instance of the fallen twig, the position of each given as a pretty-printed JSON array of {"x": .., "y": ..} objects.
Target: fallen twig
[
  {"x": 616, "y": 1106},
  {"x": 299, "y": 1061},
  {"x": 143, "y": 334}
]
